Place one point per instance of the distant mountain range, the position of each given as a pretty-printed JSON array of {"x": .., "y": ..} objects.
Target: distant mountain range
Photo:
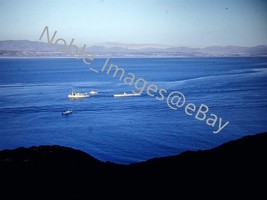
[{"x": 26, "y": 48}]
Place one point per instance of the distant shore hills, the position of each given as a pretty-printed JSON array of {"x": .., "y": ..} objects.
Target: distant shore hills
[{"x": 26, "y": 48}]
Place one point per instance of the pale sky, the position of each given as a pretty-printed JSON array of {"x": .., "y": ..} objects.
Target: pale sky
[{"x": 192, "y": 23}]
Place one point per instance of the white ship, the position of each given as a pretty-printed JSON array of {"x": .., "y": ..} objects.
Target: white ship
[
  {"x": 77, "y": 95},
  {"x": 92, "y": 92},
  {"x": 67, "y": 112},
  {"x": 127, "y": 95}
]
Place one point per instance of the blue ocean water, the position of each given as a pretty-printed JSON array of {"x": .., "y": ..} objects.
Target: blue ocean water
[{"x": 125, "y": 130}]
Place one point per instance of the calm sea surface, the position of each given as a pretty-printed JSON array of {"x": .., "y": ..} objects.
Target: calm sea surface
[{"x": 33, "y": 94}]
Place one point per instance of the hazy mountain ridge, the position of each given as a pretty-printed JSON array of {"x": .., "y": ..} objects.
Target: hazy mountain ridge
[{"x": 24, "y": 48}]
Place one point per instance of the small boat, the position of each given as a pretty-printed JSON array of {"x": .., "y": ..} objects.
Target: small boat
[
  {"x": 92, "y": 92},
  {"x": 67, "y": 112},
  {"x": 78, "y": 95},
  {"x": 127, "y": 94}
]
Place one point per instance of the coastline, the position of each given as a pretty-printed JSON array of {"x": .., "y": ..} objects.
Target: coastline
[{"x": 148, "y": 57}]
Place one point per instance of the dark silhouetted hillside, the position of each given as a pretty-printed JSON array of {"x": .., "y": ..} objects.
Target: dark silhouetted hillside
[{"x": 232, "y": 170}]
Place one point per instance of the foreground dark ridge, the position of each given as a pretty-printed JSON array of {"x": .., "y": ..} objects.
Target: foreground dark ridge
[{"x": 237, "y": 168}]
